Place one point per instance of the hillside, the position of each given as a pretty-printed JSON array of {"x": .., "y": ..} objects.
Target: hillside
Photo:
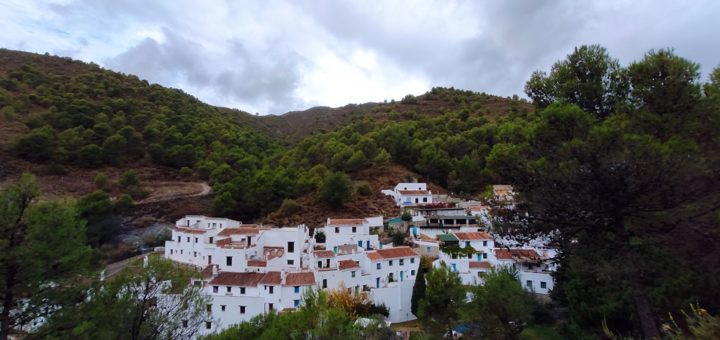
[{"x": 67, "y": 121}]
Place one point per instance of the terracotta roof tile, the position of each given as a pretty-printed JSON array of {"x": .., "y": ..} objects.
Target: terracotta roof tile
[
  {"x": 473, "y": 235},
  {"x": 521, "y": 255},
  {"x": 347, "y": 264},
  {"x": 324, "y": 253},
  {"x": 237, "y": 279},
  {"x": 190, "y": 230},
  {"x": 256, "y": 263},
  {"x": 480, "y": 264},
  {"x": 300, "y": 279},
  {"x": 389, "y": 253},
  {"x": 246, "y": 229},
  {"x": 414, "y": 192},
  {"x": 271, "y": 278},
  {"x": 345, "y": 221},
  {"x": 207, "y": 272},
  {"x": 374, "y": 256}
]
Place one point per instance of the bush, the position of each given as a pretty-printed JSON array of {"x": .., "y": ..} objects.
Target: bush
[
  {"x": 319, "y": 236},
  {"x": 186, "y": 172},
  {"x": 129, "y": 178},
  {"x": 102, "y": 182},
  {"x": 363, "y": 188},
  {"x": 288, "y": 208},
  {"x": 336, "y": 190},
  {"x": 409, "y": 99}
]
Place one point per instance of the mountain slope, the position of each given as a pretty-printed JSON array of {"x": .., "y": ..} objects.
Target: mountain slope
[{"x": 70, "y": 120}]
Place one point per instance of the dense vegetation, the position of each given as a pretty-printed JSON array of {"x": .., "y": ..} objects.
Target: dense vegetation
[
  {"x": 322, "y": 315},
  {"x": 622, "y": 165}
]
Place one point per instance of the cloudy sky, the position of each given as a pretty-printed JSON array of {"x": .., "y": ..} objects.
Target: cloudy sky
[{"x": 275, "y": 56}]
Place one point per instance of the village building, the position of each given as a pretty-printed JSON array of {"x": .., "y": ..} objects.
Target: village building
[
  {"x": 410, "y": 194},
  {"x": 248, "y": 270}
]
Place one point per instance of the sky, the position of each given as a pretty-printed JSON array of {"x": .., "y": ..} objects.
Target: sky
[{"x": 273, "y": 56}]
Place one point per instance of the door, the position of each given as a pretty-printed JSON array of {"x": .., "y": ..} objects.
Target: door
[
  {"x": 377, "y": 282},
  {"x": 402, "y": 275},
  {"x": 367, "y": 245},
  {"x": 360, "y": 244},
  {"x": 209, "y": 259}
]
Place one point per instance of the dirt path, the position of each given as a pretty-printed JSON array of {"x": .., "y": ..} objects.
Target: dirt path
[{"x": 165, "y": 191}]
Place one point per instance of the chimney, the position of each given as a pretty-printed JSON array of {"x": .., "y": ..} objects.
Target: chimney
[
  {"x": 214, "y": 270},
  {"x": 283, "y": 276}
]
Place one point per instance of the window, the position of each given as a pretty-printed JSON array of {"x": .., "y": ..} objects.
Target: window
[
  {"x": 194, "y": 254},
  {"x": 378, "y": 266},
  {"x": 210, "y": 239},
  {"x": 181, "y": 251},
  {"x": 484, "y": 243},
  {"x": 215, "y": 289},
  {"x": 337, "y": 230},
  {"x": 484, "y": 255},
  {"x": 412, "y": 260},
  {"x": 543, "y": 284},
  {"x": 402, "y": 262},
  {"x": 178, "y": 239},
  {"x": 196, "y": 240},
  {"x": 425, "y": 199},
  {"x": 467, "y": 243},
  {"x": 271, "y": 289},
  {"x": 228, "y": 289},
  {"x": 291, "y": 247},
  {"x": 228, "y": 260},
  {"x": 528, "y": 283},
  {"x": 208, "y": 308},
  {"x": 354, "y": 229},
  {"x": 242, "y": 290},
  {"x": 171, "y": 251},
  {"x": 296, "y": 289},
  {"x": 188, "y": 238},
  {"x": 291, "y": 262},
  {"x": 296, "y": 303},
  {"x": 208, "y": 324},
  {"x": 222, "y": 308},
  {"x": 390, "y": 262},
  {"x": 319, "y": 264},
  {"x": 353, "y": 273},
  {"x": 324, "y": 285},
  {"x": 242, "y": 309},
  {"x": 184, "y": 323},
  {"x": 270, "y": 306},
  {"x": 412, "y": 272},
  {"x": 428, "y": 249}
]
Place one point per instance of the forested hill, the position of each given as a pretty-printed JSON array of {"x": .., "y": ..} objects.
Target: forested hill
[{"x": 71, "y": 120}]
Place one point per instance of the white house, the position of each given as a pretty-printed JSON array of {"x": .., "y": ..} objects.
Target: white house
[
  {"x": 410, "y": 194},
  {"x": 249, "y": 270},
  {"x": 340, "y": 232}
]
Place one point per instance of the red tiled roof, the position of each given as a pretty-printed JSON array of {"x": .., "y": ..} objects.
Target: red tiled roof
[
  {"x": 374, "y": 256},
  {"x": 522, "y": 255},
  {"x": 473, "y": 235},
  {"x": 414, "y": 192},
  {"x": 389, "y": 253},
  {"x": 480, "y": 264},
  {"x": 347, "y": 248},
  {"x": 190, "y": 230},
  {"x": 347, "y": 264},
  {"x": 256, "y": 263},
  {"x": 271, "y": 278},
  {"x": 237, "y": 279},
  {"x": 345, "y": 221},
  {"x": 324, "y": 253},
  {"x": 207, "y": 272},
  {"x": 246, "y": 229},
  {"x": 300, "y": 279}
]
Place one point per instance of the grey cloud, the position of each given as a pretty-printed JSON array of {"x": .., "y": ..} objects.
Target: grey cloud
[{"x": 262, "y": 78}]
